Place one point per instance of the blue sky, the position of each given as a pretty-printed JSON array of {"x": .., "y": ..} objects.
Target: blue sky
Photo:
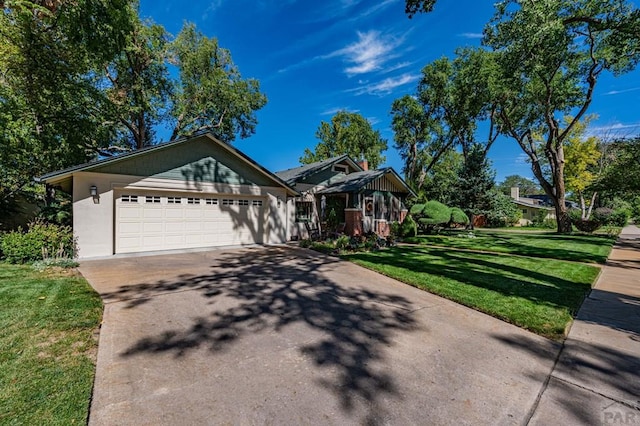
[{"x": 313, "y": 58}]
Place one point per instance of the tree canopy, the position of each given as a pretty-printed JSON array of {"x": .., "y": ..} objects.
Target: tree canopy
[
  {"x": 347, "y": 133},
  {"x": 546, "y": 59},
  {"x": 89, "y": 78},
  {"x": 527, "y": 186}
]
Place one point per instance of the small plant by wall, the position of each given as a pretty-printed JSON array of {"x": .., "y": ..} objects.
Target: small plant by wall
[{"x": 40, "y": 242}]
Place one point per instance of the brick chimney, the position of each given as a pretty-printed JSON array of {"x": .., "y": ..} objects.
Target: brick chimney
[
  {"x": 364, "y": 164},
  {"x": 515, "y": 193}
]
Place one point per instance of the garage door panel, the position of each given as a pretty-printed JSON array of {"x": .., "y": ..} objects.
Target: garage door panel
[{"x": 148, "y": 226}]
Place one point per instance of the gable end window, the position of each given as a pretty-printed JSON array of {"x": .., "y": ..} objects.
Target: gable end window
[{"x": 341, "y": 168}]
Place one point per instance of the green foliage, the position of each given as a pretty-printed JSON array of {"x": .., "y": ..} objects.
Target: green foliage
[
  {"x": 416, "y": 209},
  {"x": 587, "y": 225},
  {"x": 332, "y": 219},
  {"x": 458, "y": 216},
  {"x": 342, "y": 242},
  {"x": 395, "y": 229},
  {"x": 502, "y": 210},
  {"x": 211, "y": 94},
  {"x": 63, "y": 262},
  {"x": 409, "y": 227},
  {"x": 441, "y": 181},
  {"x": 42, "y": 240},
  {"x": 622, "y": 176},
  {"x": 306, "y": 243},
  {"x": 418, "y": 6},
  {"x": 475, "y": 180},
  {"x": 347, "y": 133},
  {"x": 435, "y": 213},
  {"x": 527, "y": 186}
]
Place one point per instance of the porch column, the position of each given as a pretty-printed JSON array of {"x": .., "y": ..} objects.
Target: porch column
[{"x": 353, "y": 222}]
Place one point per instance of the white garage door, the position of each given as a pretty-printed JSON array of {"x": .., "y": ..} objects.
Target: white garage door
[{"x": 147, "y": 221}]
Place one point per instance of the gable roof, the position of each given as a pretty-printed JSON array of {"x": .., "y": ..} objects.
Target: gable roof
[
  {"x": 296, "y": 174},
  {"x": 60, "y": 176},
  {"x": 354, "y": 182}
]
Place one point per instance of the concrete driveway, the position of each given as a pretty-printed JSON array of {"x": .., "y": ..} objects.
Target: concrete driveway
[{"x": 288, "y": 336}]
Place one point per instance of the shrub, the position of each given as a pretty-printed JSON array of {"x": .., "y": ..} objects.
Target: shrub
[
  {"x": 602, "y": 215},
  {"x": 587, "y": 225},
  {"x": 416, "y": 209},
  {"x": 459, "y": 217},
  {"x": 305, "y": 243},
  {"x": 409, "y": 228},
  {"x": 502, "y": 211},
  {"x": 342, "y": 242},
  {"x": 63, "y": 262},
  {"x": 395, "y": 229},
  {"x": 619, "y": 217},
  {"x": 41, "y": 241}
]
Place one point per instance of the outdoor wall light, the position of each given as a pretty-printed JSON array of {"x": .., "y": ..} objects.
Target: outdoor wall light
[
  {"x": 279, "y": 200},
  {"x": 93, "y": 191}
]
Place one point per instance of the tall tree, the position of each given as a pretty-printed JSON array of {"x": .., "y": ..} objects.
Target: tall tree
[
  {"x": 582, "y": 166},
  {"x": 51, "y": 111},
  {"x": 475, "y": 180},
  {"x": 347, "y": 133},
  {"x": 411, "y": 134},
  {"x": 211, "y": 94},
  {"x": 441, "y": 183},
  {"x": 550, "y": 56},
  {"x": 139, "y": 86}
]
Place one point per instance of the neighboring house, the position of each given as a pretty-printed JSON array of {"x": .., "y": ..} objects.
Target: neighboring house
[
  {"x": 363, "y": 200},
  {"x": 531, "y": 208},
  {"x": 189, "y": 193}
]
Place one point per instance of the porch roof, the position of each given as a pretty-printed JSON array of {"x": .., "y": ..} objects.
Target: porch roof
[{"x": 355, "y": 182}]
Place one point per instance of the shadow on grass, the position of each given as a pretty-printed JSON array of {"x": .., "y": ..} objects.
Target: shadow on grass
[
  {"x": 480, "y": 271},
  {"x": 269, "y": 290},
  {"x": 584, "y": 248}
]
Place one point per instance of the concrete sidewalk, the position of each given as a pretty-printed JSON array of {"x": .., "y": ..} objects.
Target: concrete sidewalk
[{"x": 597, "y": 377}]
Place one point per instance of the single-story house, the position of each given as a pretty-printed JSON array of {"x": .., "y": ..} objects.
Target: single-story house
[
  {"x": 362, "y": 200},
  {"x": 188, "y": 193},
  {"x": 531, "y": 208},
  {"x": 199, "y": 192}
]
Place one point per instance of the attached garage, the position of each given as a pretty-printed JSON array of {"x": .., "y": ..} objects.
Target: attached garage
[
  {"x": 191, "y": 193},
  {"x": 151, "y": 220}
]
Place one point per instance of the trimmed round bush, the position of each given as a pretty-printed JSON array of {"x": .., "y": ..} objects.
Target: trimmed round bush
[
  {"x": 435, "y": 213},
  {"x": 459, "y": 217},
  {"x": 587, "y": 225}
]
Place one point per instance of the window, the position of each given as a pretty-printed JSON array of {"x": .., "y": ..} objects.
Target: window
[
  {"x": 304, "y": 209},
  {"x": 227, "y": 202},
  {"x": 341, "y": 168},
  {"x": 243, "y": 202},
  {"x": 152, "y": 199},
  {"x": 129, "y": 198},
  {"x": 257, "y": 203},
  {"x": 524, "y": 211},
  {"x": 211, "y": 201},
  {"x": 174, "y": 200},
  {"x": 192, "y": 200}
]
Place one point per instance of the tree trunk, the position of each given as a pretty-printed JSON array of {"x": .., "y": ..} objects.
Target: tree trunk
[{"x": 562, "y": 216}]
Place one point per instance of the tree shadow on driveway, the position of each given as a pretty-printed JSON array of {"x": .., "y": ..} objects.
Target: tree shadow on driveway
[{"x": 268, "y": 290}]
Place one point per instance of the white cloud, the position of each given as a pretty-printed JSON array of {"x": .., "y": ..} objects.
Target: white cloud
[
  {"x": 213, "y": 5},
  {"x": 386, "y": 86},
  {"x": 333, "y": 111},
  {"x": 368, "y": 54},
  {"x": 470, "y": 35},
  {"x": 617, "y": 92},
  {"x": 522, "y": 158},
  {"x": 615, "y": 130}
]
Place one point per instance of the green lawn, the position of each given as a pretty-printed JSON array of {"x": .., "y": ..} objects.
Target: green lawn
[
  {"x": 47, "y": 356},
  {"x": 539, "y": 295},
  {"x": 579, "y": 248}
]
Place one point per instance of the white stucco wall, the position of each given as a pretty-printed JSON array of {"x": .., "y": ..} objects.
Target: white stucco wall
[{"x": 94, "y": 219}]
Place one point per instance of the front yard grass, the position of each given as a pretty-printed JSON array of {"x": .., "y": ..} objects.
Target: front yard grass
[
  {"x": 47, "y": 360},
  {"x": 579, "y": 248},
  {"x": 539, "y": 295}
]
